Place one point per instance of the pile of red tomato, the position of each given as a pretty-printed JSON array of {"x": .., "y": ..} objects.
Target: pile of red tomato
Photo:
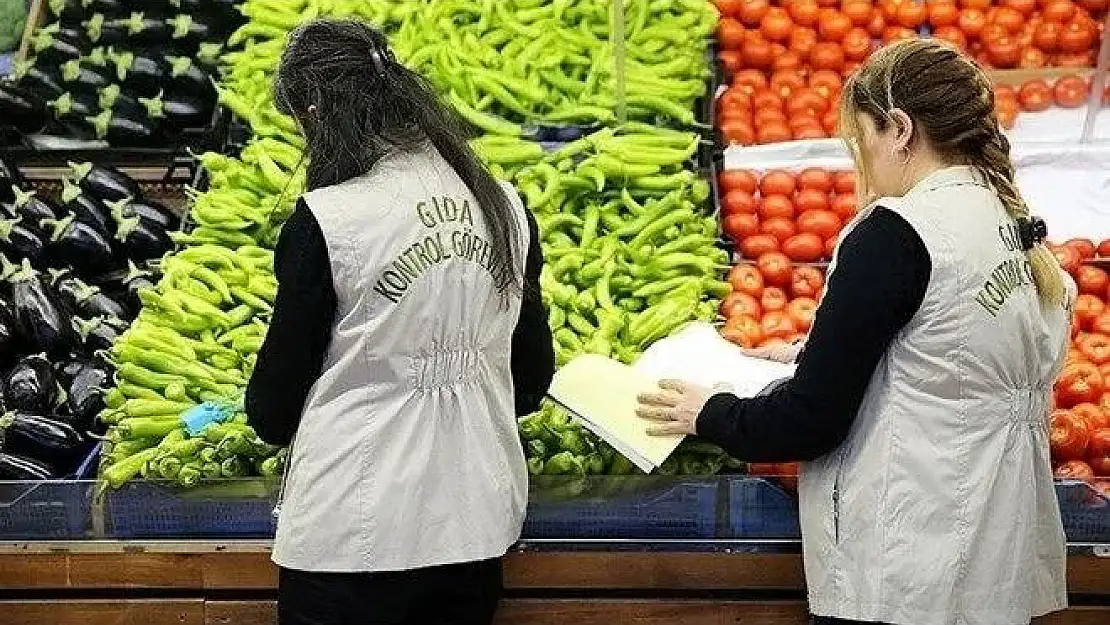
[
  {"x": 1033, "y": 96},
  {"x": 797, "y": 214},
  {"x": 838, "y": 35},
  {"x": 1080, "y": 423}
]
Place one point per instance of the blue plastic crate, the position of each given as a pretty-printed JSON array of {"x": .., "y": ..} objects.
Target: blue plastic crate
[
  {"x": 759, "y": 508},
  {"x": 50, "y": 510},
  {"x": 613, "y": 507},
  {"x": 230, "y": 508},
  {"x": 1085, "y": 512}
]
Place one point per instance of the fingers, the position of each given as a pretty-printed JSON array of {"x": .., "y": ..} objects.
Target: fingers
[
  {"x": 658, "y": 399},
  {"x": 667, "y": 429},
  {"x": 655, "y": 413},
  {"x": 678, "y": 386}
]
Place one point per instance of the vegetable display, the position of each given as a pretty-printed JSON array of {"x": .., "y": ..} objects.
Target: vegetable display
[
  {"x": 133, "y": 74},
  {"x": 65, "y": 280}
]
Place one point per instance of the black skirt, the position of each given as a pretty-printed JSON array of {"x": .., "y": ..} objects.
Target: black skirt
[{"x": 456, "y": 594}]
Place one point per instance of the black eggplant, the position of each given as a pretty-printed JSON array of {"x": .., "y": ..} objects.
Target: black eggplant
[
  {"x": 39, "y": 78},
  {"x": 9, "y": 337},
  {"x": 180, "y": 112},
  {"x": 98, "y": 333},
  {"x": 137, "y": 30},
  {"x": 112, "y": 7},
  {"x": 42, "y": 320},
  {"x": 19, "y": 241},
  {"x": 86, "y": 207},
  {"x": 40, "y": 436},
  {"x": 188, "y": 78},
  {"x": 32, "y": 208},
  {"x": 14, "y": 467},
  {"x": 85, "y": 392},
  {"x": 112, "y": 98},
  {"x": 67, "y": 11},
  {"x": 72, "y": 114},
  {"x": 209, "y": 53},
  {"x": 66, "y": 369},
  {"x": 147, "y": 209},
  {"x": 80, "y": 76},
  {"x": 50, "y": 45},
  {"x": 126, "y": 284},
  {"x": 22, "y": 109},
  {"x": 123, "y": 130},
  {"x": 77, "y": 244},
  {"x": 11, "y": 179},
  {"x": 140, "y": 73},
  {"x": 193, "y": 29},
  {"x": 105, "y": 182},
  {"x": 83, "y": 298},
  {"x": 143, "y": 240},
  {"x": 31, "y": 384}
]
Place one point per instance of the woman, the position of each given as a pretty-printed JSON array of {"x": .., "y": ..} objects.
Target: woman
[
  {"x": 407, "y": 334},
  {"x": 921, "y": 397}
]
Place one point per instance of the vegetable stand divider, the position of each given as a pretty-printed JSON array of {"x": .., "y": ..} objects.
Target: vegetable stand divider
[{"x": 49, "y": 510}]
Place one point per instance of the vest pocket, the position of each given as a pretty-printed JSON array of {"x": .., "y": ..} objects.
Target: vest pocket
[{"x": 841, "y": 456}]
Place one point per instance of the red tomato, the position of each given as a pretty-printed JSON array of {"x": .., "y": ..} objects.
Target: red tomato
[
  {"x": 777, "y": 182},
  {"x": 740, "y": 226},
  {"x": 845, "y": 182},
  {"x": 738, "y": 180},
  {"x": 803, "y": 12},
  {"x": 806, "y": 282},
  {"x": 1025, "y": 7},
  {"x": 809, "y": 130},
  {"x": 1087, "y": 308},
  {"x": 1035, "y": 95},
  {"x": 734, "y": 99},
  {"x": 729, "y": 8},
  {"x": 788, "y": 60},
  {"x": 731, "y": 60},
  {"x": 1007, "y": 112},
  {"x": 830, "y": 247},
  {"x": 737, "y": 132},
  {"x": 776, "y": 25},
  {"x": 769, "y": 116},
  {"x": 1104, "y": 248},
  {"x": 779, "y": 227},
  {"x": 804, "y": 248},
  {"x": 1004, "y": 52},
  {"x": 1046, "y": 36},
  {"x": 834, "y": 25},
  {"x": 757, "y": 245},
  {"x": 1068, "y": 435},
  {"x": 1070, "y": 92},
  {"x": 730, "y": 34},
  {"x": 801, "y": 311},
  {"x": 749, "y": 80},
  {"x": 972, "y": 22},
  {"x": 1101, "y": 324},
  {"x": 752, "y": 11},
  {"x": 1078, "y": 37},
  {"x": 802, "y": 40},
  {"x": 1068, "y": 258},
  {"x": 807, "y": 101},
  {"x": 1079, "y": 383},
  {"x": 1096, "y": 347},
  {"x": 877, "y": 23},
  {"x": 758, "y": 53},
  {"x": 777, "y": 325},
  {"x": 772, "y": 206},
  {"x": 738, "y": 201},
  {"x": 815, "y": 178},
  {"x": 743, "y": 331},
  {"x": 845, "y": 206},
  {"x": 1009, "y": 18},
  {"x": 911, "y": 14},
  {"x": 739, "y": 303},
  {"x": 776, "y": 269},
  {"x": 1092, "y": 280},
  {"x": 773, "y": 132},
  {"x": 767, "y": 99},
  {"x": 1098, "y": 451},
  {"x": 827, "y": 55},
  {"x": 746, "y": 279},
  {"x": 856, "y": 44},
  {"x": 773, "y": 300},
  {"x": 858, "y": 11},
  {"x": 952, "y": 35},
  {"x": 1058, "y": 11},
  {"x": 1094, "y": 7},
  {"x": 1093, "y": 415},
  {"x": 824, "y": 223},
  {"x": 1075, "y": 470},
  {"x": 827, "y": 83},
  {"x": 942, "y": 13}
]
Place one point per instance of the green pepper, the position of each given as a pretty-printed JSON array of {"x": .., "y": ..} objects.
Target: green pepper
[
  {"x": 143, "y": 427},
  {"x": 154, "y": 407},
  {"x": 124, "y": 470}
]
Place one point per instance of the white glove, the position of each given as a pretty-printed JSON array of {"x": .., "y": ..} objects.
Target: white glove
[{"x": 777, "y": 353}]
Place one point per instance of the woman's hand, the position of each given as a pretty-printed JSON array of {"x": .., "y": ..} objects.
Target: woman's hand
[
  {"x": 784, "y": 353},
  {"x": 675, "y": 407}
]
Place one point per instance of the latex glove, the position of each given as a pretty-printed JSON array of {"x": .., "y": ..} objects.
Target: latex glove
[
  {"x": 675, "y": 408},
  {"x": 778, "y": 353}
]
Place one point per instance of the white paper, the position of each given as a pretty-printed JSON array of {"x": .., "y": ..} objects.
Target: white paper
[{"x": 699, "y": 354}]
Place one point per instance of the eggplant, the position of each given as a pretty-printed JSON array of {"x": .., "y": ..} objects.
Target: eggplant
[
  {"x": 111, "y": 7},
  {"x": 32, "y": 208},
  {"x": 84, "y": 299},
  {"x": 66, "y": 369},
  {"x": 209, "y": 53},
  {"x": 84, "y": 390},
  {"x": 41, "y": 319},
  {"x": 126, "y": 284},
  {"x": 85, "y": 207},
  {"x": 20, "y": 241},
  {"x": 193, "y": 29},
  {"x": 138, "y": 29},
  {"x": 112, "y": 98},
  {"x": 143, "y": 239},
  {"x": 77, "y": 244},
  {"x": 105, "y": 182},
  {"x": 9, "y": 336},
  {"x": 188, "y": 78},
  {"x": 31, "y": 384},
  {"x": 22, "y": 109},
  {"x": 98, "y": 333},
  {"x": 84, "y": 78},
  {"x": 14, "y": 467},
  {"x": 41, "y": 79},
  {"x": 11, "y": 179},
  {"x": 40, "y": 436},
  {"x": 149, "y": 210},
  {"x": 140, "y": 73},
  {"x": 124, "y": 130},
  {"x": 50, "y": 45},
  {"x": 180, "y": 112},
  {"x": 72, "y": 113},
  {"x": 67, "y": 11}
]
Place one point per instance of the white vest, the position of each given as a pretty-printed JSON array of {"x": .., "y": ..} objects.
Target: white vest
[
  {"x": 939, "y": 508},
  {"x": 407, "y": 454}
]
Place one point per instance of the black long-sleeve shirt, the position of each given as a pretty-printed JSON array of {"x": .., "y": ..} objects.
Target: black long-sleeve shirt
[
  {"x": 882, "y": 274},
  {"x": 292, "y": 356}
]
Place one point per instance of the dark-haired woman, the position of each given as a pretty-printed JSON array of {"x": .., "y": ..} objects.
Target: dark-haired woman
[
  {"x": 921, "y": 398},
  {"x": 407, "y": 335}
]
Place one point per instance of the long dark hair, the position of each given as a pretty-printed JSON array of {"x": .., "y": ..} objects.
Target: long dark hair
[{"x": 339, "y": 79}]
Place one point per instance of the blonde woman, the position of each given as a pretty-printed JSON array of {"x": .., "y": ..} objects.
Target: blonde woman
[{"x": 921, "y": 397}]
